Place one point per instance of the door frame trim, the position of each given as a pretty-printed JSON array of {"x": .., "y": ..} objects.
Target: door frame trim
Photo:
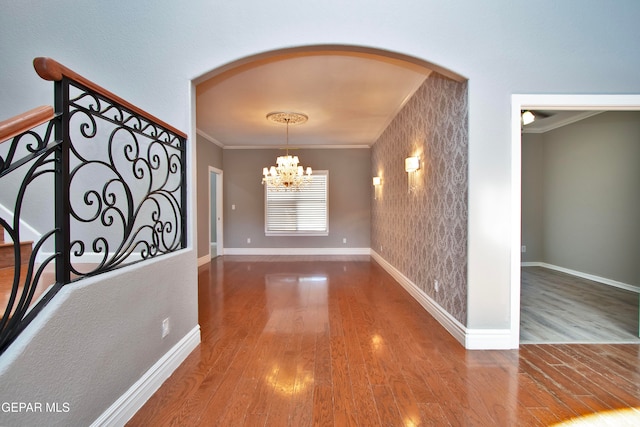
[
  {"x": 219, "y": 211},
  {"x": 519, "y": 102}
]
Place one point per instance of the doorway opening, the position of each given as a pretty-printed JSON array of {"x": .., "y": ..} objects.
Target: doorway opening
[
  {"x": 245, "y": 192},
  {"x": 544, "y": 103},
  {"x": 216, "y": 246}
]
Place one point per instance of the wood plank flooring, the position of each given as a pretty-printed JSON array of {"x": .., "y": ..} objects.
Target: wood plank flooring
[
  {"x": 559, "y": 308},
  {"x": 340, "y": 343}
]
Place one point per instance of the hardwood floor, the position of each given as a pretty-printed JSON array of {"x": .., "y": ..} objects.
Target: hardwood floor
[
  {"x": 559, "y": 308},
  {"x": 340, "y": 343}
]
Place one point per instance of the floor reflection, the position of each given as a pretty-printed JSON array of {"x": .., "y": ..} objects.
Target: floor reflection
[
  {"x": 287, "y": 380},
  {"x": 616, "y": 417},
  {"x": 297, "y": 303}
]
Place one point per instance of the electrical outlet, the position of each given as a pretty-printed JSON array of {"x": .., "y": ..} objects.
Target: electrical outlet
[
  {"x": 523, "y": 249},
  {"x": 165, "y": 327},
  {"x": 436, "y": 285},
  {"x": 344, "y": 240},
  {"x": 248, "y": 239}
]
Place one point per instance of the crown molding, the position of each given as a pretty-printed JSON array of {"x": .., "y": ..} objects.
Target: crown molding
[
  {"x": 280, "y": 147},
  {"x": 274, "y": 147},
  {"x": 210, "y": 138},
  {"x": 560, "y": 123}
]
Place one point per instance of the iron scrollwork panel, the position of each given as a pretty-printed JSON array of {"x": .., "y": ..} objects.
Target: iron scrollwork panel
[
  {"x": 125, "y": 180},
  {"x": 125, "y": 183},
  {"x": 27, "y": 167}
]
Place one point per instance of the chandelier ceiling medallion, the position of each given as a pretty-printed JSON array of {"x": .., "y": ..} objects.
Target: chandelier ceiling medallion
[{"x": 287, "y": 175}]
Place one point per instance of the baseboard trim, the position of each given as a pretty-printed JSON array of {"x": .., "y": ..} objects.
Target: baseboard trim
[
  {"x": 452, "y": 325},
  {"x": 530, "y": 264},
  {"x": 204, "y": 260},
  {"x": 27, "y": 232},
  {"x": 582, "y": 275},
  {"x": 471, "y": 339},
  {"x": 297, "y": 251},
  {"x": 130, "y": 402},
  {"x": 490, "y": 339}
]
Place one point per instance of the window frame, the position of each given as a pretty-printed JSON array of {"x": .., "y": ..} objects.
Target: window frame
[{"x": 324, "y": 232}]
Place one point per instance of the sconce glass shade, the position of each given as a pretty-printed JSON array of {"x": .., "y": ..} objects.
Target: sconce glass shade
[
  {"x": 528, "y": 117},
  {"x": 411, "y": 164},
  {"x": 376, "y": 187}
]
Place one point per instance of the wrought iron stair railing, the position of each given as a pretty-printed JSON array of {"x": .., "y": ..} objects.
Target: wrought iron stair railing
[{"x": 102, "y": 181}]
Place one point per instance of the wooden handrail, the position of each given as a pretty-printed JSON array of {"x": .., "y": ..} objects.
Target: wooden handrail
[
  {"x": 52, "y": 70},
  {"x": 25, "y": 121}
]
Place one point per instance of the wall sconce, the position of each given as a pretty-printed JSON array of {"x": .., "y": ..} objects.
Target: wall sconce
[
  {"x": 376, "y": 184},
  {"x": 411, "y": 165}
]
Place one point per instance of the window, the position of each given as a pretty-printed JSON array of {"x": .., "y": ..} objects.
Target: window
[{"x": 299, "y": 213}]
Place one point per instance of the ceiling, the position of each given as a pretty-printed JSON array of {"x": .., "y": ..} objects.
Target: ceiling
[
  {"x": 350, "y": 100},
  {"x": 349, "y": 97}
]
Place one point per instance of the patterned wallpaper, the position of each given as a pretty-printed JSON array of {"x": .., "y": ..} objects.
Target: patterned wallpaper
[{"x": 423, "y": 233}]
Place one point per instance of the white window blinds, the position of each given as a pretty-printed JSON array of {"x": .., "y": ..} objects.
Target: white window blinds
[{"x": 303, "y": 212}]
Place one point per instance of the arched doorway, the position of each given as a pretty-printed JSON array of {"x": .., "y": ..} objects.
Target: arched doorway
[{"x": 427, "y": 243}]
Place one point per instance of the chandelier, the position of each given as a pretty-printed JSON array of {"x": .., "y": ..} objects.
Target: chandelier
[{"x": 287, "y": 175}]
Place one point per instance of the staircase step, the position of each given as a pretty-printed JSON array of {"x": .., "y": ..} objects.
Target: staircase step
[
  {"x": 7, "y": 258},
  {"x": 6, "y": 286}
]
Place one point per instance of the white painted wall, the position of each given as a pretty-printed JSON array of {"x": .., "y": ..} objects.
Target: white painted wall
[{"x": 147, "y": 52}]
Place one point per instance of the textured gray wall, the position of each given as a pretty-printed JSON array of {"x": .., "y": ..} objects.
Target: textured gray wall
[
  {"x": 424, "y": 234},
  {"x": 349, "y": 198},
  {"x": 121, "y": 339},
  {"x": 591, "y": 199},
  {"x": 209, "y": 154},
  {"x": 532, "y": 196}
]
